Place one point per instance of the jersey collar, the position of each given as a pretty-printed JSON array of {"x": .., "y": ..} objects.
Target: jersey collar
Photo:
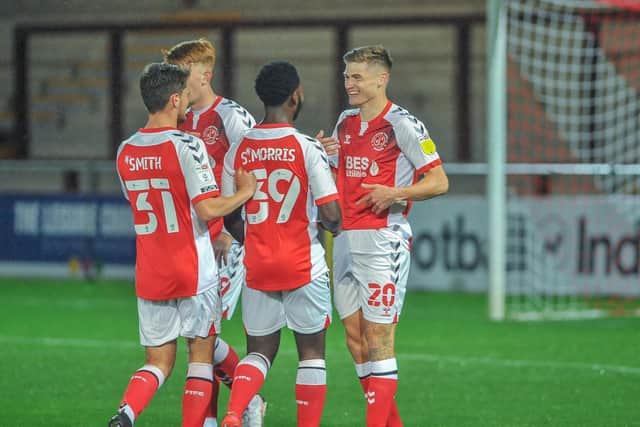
[
  {"x": 156, "y": 130},
  {"x": 272, "y": 125}
]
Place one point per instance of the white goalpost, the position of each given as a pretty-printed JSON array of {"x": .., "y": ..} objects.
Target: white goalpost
[{"x": 563, "y": 111}]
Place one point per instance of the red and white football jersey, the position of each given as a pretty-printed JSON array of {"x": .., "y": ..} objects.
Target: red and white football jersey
[
  {"x": 393, "y": 149},
  {"x": 220, "y": 125},
  {"x": 282, "y": 250},
  {"x": 163, "y": 173}
]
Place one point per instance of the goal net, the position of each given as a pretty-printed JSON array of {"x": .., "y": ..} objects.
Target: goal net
[{"x": 572, "y": 158}]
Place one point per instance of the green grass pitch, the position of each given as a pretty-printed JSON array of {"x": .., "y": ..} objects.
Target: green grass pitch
[{"x": 68, "y": 348}]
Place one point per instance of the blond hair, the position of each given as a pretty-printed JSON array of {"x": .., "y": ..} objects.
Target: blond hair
[
  {"x": 371, "y": 55},
  {"x": 199, "y": 51}
]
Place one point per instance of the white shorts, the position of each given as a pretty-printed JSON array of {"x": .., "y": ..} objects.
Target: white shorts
[
  {"x": 232, "y": 278},
  {"x": 163, "y": 321},
  {"x": 370, "y": 271},
  {"x": 305, "y": 310}
]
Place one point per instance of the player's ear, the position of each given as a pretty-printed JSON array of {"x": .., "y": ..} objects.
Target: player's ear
[
  {"x": 297, "y": 97},
  {"x": 383, "y": 78},
  {"x": 174, "y": 100}
]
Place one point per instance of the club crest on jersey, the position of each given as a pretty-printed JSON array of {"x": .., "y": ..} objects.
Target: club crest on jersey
[
  {"x": 210, "y": 135},
  {"x": 347, "y": 139},
  {"x": 379, "y": 141}
]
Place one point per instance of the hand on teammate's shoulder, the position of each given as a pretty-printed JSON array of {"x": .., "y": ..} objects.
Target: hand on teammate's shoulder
[{"x": 330, "y": 143}]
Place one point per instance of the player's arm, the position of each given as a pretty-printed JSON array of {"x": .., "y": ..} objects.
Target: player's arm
[
  {"x": 233, "y": 222},
  {"x": 433, "y": 183},
  {"x": 322, "y": 186},
  {"x": 216, "y": 207},
  {"x": 415, "y": 143},
  {"x": 330, "y": 217}
]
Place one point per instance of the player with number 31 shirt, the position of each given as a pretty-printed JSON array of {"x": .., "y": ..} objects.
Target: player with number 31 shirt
[{"x": 166, "y": 177}]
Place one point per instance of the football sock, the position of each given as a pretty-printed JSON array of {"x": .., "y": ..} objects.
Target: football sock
[
  {"x": 211, "y": 417},
  {"x": 363, "y": 370},
  {"x": 382, "y": 388},
  {"x": 247, "y": 380},
  {"x": 197, "y": 394},
  {"x": 142, "y": 387},
  {"x": 225, "y": 360},
  {"x": 311, "y": 390}
]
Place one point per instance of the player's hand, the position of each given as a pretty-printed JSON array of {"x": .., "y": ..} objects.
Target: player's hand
[
  {"x": 330, "y": 143},
  {"x": 221, "y": 248},
  {"x": 379, "y": 198},
  {"x": 245, "y": 181}
]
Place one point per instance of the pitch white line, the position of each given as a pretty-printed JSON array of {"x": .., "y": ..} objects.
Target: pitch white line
[
  {"x": 599, "y": 368},
  {"x": 517, "y": 363},
  {"x": 68, "y": 342}
]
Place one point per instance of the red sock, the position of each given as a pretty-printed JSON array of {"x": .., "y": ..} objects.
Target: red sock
[
  {"x": 311, "y": 391},
  {"x": 141, "y": 389},
  {"x": 247, "y": 380},
  {"x": 310, "y": 400},
  {"x": 197, "y": 394},
  {"x": 225, "y": 360},
  {"x": 394, "y": 416},
  {"x": 364, "y": 382},
  {"x": 394, "y": 419},
  {"x": 212, "y": 411},
  {"x": 379, "y": 397}
]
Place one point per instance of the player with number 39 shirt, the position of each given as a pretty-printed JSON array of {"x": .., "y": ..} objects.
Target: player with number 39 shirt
[
  {"x": 220, "y": 123},
  {"x": 287, "y": 276}
]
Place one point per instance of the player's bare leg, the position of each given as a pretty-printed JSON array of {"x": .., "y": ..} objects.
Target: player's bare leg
[
  {"x": 311, "y": 380},
  {"x": 199, "y": 384},
  {"x": 356, "y": 340},
  {"x": 145, "y": 382},
  {"x": 250, "y": 375}
]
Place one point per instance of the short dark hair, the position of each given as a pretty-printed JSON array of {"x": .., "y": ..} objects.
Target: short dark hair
[
  {"x": 371, "y": 55},
  {"x": 158, "y": 82},
  {"x": 276, "y": 81}
]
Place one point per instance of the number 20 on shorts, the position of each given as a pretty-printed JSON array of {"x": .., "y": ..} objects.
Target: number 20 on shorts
[{"x": 382, "y": 294}]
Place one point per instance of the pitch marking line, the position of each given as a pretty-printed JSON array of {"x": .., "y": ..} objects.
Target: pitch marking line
[{"x": 598, "y": 368}]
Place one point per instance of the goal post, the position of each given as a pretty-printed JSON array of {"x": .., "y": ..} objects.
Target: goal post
[
  {"x": 496, "y": 143},
  {"x": 563, "y": 138}
]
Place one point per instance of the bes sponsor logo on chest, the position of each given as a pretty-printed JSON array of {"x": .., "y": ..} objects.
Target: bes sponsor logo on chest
[{"x": 360, "y": 166}]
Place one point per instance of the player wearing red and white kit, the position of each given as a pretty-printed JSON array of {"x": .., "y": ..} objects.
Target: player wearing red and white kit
[
  {"x": 166, "y": 176},
  {"x": 220, "y": 123},
  {"x": 384, "y": 159},
  {"x": 287, "y": 276}
]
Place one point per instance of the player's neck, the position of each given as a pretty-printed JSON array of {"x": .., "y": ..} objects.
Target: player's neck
[
  {"x": 161, "y": 120},
  {"x": 206, "y": 100},
  {"x": 277, "y": 116},
  {"x": 372, "y": 108}
]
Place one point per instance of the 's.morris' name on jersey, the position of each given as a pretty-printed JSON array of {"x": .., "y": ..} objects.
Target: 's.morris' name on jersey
[
  {"x": 268, "y": 153},
  {"x": 143, "y": 163},
  {"x": 356, "y": 166}
]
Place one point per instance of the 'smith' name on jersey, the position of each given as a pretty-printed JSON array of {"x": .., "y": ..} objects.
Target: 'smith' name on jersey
[
  {"x": 251, "y": 155},
  {"x": 144, "y": 163}
]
